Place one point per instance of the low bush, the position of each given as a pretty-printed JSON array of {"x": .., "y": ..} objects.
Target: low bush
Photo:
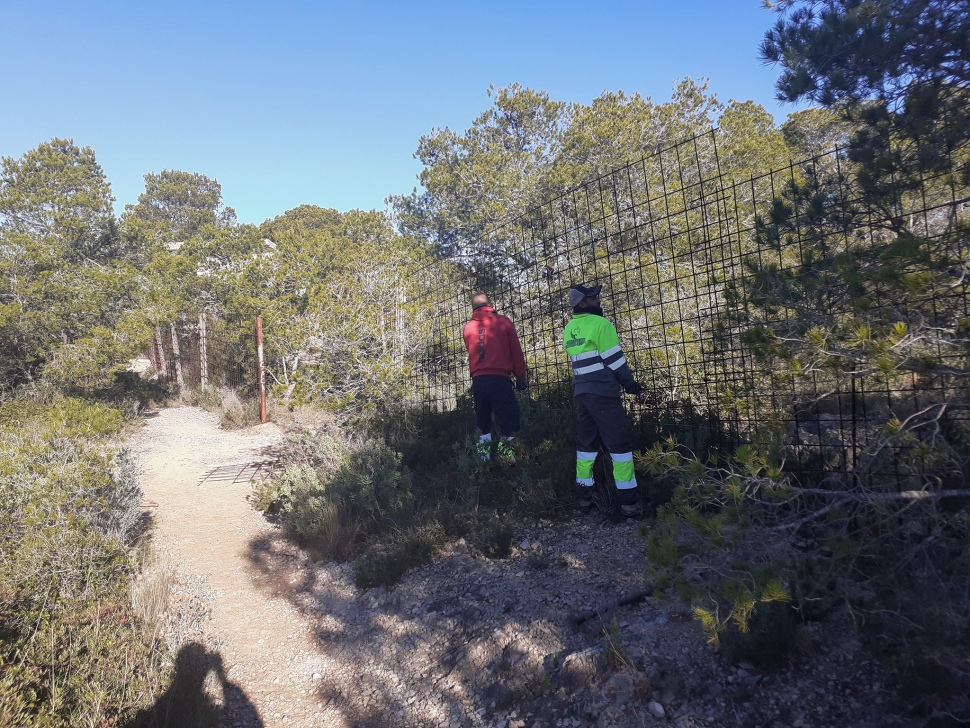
[
  {"x": 332, "y": 492},
  {"x": 276, "y": 494},
  {"x": 386, "y": 564},
  {"x": 340, "y": 495},
  {"x": 754, "y": 552},
  {"x": 68, "y": 532},
  {"x": 234, "y": 410}
]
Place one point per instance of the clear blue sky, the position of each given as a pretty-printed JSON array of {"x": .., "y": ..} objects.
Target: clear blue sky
[{"x": 288, "y": 102}]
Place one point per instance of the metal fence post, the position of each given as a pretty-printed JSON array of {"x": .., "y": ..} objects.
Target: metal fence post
[{"x": 260, "y": 370}]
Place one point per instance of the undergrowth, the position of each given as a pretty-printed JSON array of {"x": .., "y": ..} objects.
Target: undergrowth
[
  {"x": 389, "y": 499},
  {"x": 75, "y": 648},
  {"x": 754, "y": 552},
  {"x": 235, "y": 411}
]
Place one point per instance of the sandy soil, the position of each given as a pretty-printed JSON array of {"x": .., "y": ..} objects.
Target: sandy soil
[{"x": 207, "y": 527}]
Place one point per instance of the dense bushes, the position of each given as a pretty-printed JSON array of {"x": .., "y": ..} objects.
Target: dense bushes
[
  {"x": 754, "y": 553},
  {"x": 359, "y": 498},
  {"x": 333, "y": 493},
  {"x": 72, "y": 651}
]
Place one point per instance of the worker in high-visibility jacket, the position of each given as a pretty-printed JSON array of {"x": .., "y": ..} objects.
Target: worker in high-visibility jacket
[{"x": 599, "y": 371}]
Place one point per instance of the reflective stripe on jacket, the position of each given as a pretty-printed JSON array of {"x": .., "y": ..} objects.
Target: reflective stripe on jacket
[{"x": 599, "y": 366}]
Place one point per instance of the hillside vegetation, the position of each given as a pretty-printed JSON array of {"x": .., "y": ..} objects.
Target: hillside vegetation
[{"x": 355, "y": 316}]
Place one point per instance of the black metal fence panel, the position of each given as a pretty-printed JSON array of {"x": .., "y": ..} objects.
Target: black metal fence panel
[
  {"x": 214, "y": 350},
  {"x": 800, "y": 311}
]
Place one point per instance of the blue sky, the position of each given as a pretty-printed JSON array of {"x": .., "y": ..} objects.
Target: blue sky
[{"x": 323, "y": 103}]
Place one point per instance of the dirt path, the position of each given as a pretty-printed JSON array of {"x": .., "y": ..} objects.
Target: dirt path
[
  {"x": 207, "y": 527},
  {"x": 464, "y": 642}
]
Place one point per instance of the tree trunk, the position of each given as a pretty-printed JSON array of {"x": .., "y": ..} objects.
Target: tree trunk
[{"x": 178, "y": 359}]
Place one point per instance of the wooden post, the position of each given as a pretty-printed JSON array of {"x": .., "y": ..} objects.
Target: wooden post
[
  {"x": 162, "y": 364},
  {"x": 260, "y": 370},
  {"x": 177, "y": 357},
  {"x": 203, "y": 354}
]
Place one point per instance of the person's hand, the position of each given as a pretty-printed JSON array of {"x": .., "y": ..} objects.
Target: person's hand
[
  {"x": 634, "y": 388},
  {"x": 522, "y": 385}
]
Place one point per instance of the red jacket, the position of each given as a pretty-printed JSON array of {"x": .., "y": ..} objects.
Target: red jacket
[{"x": 493, "y": 345}]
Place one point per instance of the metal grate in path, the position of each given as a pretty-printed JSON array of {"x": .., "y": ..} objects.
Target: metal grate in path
[{"x": 239, "y": 472}]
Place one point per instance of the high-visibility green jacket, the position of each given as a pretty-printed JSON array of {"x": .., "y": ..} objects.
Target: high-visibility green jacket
[{"x": 599, "y": 366}]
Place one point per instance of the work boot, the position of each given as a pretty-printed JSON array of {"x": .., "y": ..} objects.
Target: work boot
[
  {"x": 630, "y": 506},
  {"x": 634, "y": 510},
  {"x": 584, "y": 498},
  {"x": 505, "y": 451},
  {"x": 484, "y": 449}
]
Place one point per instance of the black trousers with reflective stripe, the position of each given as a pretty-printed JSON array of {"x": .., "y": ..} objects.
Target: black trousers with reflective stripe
[
  {"x": 601, "y": 418},
  {"x": 494, "y": 393}
]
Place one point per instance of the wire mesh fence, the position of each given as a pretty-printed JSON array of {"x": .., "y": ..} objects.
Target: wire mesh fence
[
  {"x": 214, "y": 350},
  {"x": 801, "y": 310}
]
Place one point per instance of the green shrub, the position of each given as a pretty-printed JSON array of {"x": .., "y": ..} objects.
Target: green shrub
[
  {"x": 387, "y": 563},
  {"x": 235, "y": 412},
  {"x": 367, "y": 494},
  {"x": 320, "y": 523},
  {"x": 493, "y": 538},
  {"x": 372, "y": 486},
  {"x": 275, "y": 495},
  {"x": 68, "y": 532},
  {"x": 711, "y": 547}
]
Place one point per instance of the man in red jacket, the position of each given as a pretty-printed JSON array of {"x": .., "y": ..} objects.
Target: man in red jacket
[{"x": 494, "y": 354}]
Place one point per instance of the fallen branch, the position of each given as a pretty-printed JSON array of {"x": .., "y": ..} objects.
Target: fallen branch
[
  {"x": 901, "y": 495},
  {"x": 795, "y": 525},
  {"x": 610, "y": 607}
]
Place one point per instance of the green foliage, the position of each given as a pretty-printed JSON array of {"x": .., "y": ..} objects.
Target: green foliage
[
  {"x": 493, "y": 537},
  {"x": 176, "y": 206},
  {"x": 58, "y": 193},
  {"x": 388, "y": 562},
  {"x": 528, "y": 147},
  {"x": 72, "y": 649},
  {"x": 844, "y": 51},
  {"x": 711, "y": 545},
  {"x": 335, "y": 496},
  {"x": 275, "y": 494},
  {"x": 372, "y": 486},
  {"x": 492, "y": 171},
  {"x": 319, "y": 522},
  {"x": 65, "y": 279},
  {"x": 338, "y": 294}
]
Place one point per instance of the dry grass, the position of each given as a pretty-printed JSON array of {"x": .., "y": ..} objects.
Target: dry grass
[{"x": 151, "y": 590}]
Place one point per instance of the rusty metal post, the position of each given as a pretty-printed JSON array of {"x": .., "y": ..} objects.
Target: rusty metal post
[{"x": 261, "y": 370}]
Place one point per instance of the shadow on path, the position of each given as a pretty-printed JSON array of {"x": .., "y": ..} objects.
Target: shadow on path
[{"x": 189, "y": 701}]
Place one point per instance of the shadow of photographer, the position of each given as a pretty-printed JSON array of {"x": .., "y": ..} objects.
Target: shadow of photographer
[{"x": 190, "y": 703}]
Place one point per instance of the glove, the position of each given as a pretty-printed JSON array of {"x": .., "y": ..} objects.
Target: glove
[
  {"x": 634, "y": 388},
  {"x": 522, "y": 385}
]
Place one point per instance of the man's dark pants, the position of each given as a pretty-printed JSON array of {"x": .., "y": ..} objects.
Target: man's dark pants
[
  {"x": 495, "y": 393},
  {"x": 602, "y": 419}
]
